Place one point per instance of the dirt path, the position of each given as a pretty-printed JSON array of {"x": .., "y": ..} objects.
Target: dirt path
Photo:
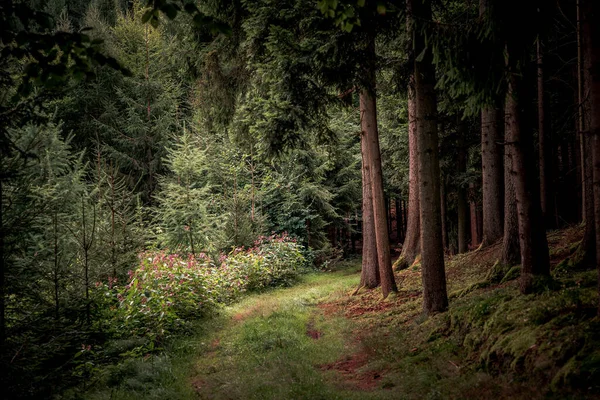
[{"x": 287, "y": 344}]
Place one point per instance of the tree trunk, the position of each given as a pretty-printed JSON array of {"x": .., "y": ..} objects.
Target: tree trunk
[
  {"x": 443, "y": 213},
  {"x": 2, "y": 271},
  {"x": 368, "y": 120},
  {"x": 492, "y": 120},
  {"x": 588, "y": 244},
  {"x": 532, "y": 234},
  {"x": 411, "y": 248},
  {"x": 399, "y": 224},
  {"x": 370, "y": 273},
  {"x": 581, "y": 110},
  {"x": 511, "y": 249},
  {"x": 475, "y": 238},
  {"x": 435, "y": 298},
  {"x": 546, "y": 189},
  {"x": 388, "y": 207},
  {"x": 462, "y": 205},
  {"x": 491, "y": 166},
  {"x": 591, "y": 43}
]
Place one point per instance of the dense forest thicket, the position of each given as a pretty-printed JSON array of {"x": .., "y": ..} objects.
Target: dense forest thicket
[{"x": 159, "y": 158}]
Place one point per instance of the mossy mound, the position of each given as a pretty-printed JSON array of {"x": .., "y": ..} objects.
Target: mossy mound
[{"x": 493, "y": 339}]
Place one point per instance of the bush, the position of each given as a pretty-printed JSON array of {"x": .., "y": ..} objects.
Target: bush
[{"x": 167, "y": 289}]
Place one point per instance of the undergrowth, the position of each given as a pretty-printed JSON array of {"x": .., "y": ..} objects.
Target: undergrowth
[{"x": 316, "y": 341}]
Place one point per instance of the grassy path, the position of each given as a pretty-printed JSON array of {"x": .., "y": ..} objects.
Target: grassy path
[
  {"x": 273, "y": 345},
  {"x": 279, "y": 345}
]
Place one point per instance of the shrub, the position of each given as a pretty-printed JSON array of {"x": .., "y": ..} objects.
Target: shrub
[{"x": 166, "y": 289}]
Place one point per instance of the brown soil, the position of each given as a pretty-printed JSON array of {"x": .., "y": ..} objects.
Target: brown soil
[
  {"x": 350, "y": 370},
  {"x": 312, "y": 332}
]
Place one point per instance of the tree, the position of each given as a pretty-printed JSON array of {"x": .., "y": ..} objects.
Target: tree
[
  {"x": 491, "y": 160},
  {"x": 532, "y": 235},
  {"x": 492, "y": 177},
  {"x": 462, "y": 205},
  {"x": 369, "y": 277},
  {"x": 511, "y": 250},
  {"x": 182, "y": 213},
  {"x": 591, "y": 12},
  {"x": 411, "y": 248},
  {"x": 435, "y": 298},
  {"x": 370, "y": 134}
]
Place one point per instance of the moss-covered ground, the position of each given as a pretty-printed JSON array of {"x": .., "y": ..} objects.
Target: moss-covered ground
[{"x": 316, "y": 341}]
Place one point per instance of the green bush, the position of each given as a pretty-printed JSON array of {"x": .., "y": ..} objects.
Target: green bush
[{"x": 166, "y": 289}]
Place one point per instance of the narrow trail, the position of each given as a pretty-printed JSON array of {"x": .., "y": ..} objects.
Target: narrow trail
[{"x": 285, "y": 344}]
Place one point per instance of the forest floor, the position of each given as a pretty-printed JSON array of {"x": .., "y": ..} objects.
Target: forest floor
[{"x": 317, "y": 341}]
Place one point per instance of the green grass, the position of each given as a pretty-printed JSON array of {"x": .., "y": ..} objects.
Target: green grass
[{"x": 315, "y": 341}]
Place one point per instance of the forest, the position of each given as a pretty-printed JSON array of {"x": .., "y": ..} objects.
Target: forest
[{"x": 304, "y": 199}]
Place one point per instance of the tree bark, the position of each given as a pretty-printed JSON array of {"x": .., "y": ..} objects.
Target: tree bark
[
  {"x": 368, "y": 111},
  {"x": 511, "y": 249},
  {"x": 591, "y": 42},
  {"x": 388, "y": 204},
  {"x": 411, "y": 248},
  {"x": 369, "y": 276},
  {"x": 581, "y": 110},
  {"x": 492, "y": 120},
  {"x": 546, "y": 187},
  {"x": 435, "y": 298},
  {"x": 462, "y": 205},
  {"x": 532, "y": 234},
  {"x": 588, "y": 244},
  {"x": 2, "y": 271},
  {"x": 399, "y": 224},
  {"x": 475, "y": 217},
  {"x": 443, "y": 213},
  {"x": 491, "y": 166}
]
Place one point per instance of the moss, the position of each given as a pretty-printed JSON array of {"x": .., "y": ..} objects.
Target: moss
[
  {"x": 497, "y": 272},
  {"x": 513, "y": 273}
]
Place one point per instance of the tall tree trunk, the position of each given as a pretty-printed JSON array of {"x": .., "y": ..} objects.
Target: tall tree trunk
[
  {"x": 443, "y": 212},
  {"x": 369, "y": 276},
  {"x": 492, "y": 120},
  {"x": 435, "y": 297},
  {"x": 588, "y": 244},
  {"x": 532, "y": 234},
  {"x": 388, "y": 204},
  {"x": 511, "y": 249},
  {"x": 368, "y": 120},
  {"x": 581, "y": 109},
  {"x": 462, "y": 205},
  {"x": 492, "y": 179},
  {"x": 411, "y": 248},
  {"x": 591, "y": 42},
  {"x": 2, "y": 270},
  {"x": 546, "y": 187},
  {"x": 475, "y": 230},
  {"x": 399, "y": 224}
]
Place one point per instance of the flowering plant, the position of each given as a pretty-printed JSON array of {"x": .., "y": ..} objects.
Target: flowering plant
[{"x": 168, "y": 288}]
